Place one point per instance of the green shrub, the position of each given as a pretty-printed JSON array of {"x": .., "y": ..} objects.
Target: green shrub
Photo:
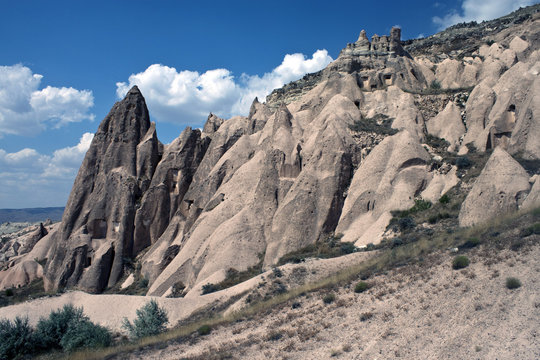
[
  {"x": 51, "y": 330},
  {"x": 9, "y": 292},
  {"x": 85, "y": 334},
  {"x": 347, "y": 247},
  {"x": 406, "y": 223},
  {"x": 69, "y": 329},
  {"x": 435, "y": 85},
  {"x": 204, "y": 330},
  {"x": 361, "y": 287},
  {"x": 16, "y": 338},
  {"x": 513, "y": 283},
  {"x": 463, "y": 162},
  {"x": 329, "y": 298},
  {"x": 470, "y": 243},
  {"x": 209, "y": 288},
  {"x": 445, "y": 199},
  {"x": 379, "y": 124},
  {"x": 460, "y": 262},
  {"x": 151, "y": 320},
  {"x": 396, "y": 242}
]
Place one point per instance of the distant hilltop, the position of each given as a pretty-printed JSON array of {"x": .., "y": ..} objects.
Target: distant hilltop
[{"x": 31, "y": 214}]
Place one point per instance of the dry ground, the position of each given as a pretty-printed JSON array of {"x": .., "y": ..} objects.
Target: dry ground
[{"x": 422, "y": 311}]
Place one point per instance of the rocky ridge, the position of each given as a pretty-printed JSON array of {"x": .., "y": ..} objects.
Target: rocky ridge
[{"x": 336, "y": 152}]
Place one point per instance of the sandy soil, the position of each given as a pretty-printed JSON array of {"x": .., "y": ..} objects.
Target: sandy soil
[
  {"x": 412, "y": 312},
  {"x": 109, "y": 310}
]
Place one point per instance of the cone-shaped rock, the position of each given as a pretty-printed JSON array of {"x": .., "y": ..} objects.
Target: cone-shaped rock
[{"x": 97, "y": 226}]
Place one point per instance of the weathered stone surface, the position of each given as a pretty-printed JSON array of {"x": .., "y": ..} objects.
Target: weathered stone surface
[
  {"x": 97, "y": 226},
  {"x": 294, "y": 171},
  {"x": 477, "y": 111},
  {"x": 448, "y": 125},
  {"x": 170, "y": 182},
  {"x": 212, "y": 124},
  {"x": 389, "y": 179},
  {"x": 526, "y": 134},
  {"x": 533, "y": 198},
  {"x": 501, "y": 188}
]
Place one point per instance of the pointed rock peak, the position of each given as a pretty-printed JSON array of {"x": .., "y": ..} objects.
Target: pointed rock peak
[
  {"x": 212, "y": 124},
  {"x": 283, "y": 117},
  {"x": 128, "y": 118},
  {"x": 362, "y": 36},
  {"x": 254, "y": 107},
  {"x": 42, "y": 231},
  {"x": 134, "y": 94},
  {"x": 134, "y": 90}
]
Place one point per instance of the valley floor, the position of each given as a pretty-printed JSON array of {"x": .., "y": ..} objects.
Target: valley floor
[{"x": 423, "y": 311}]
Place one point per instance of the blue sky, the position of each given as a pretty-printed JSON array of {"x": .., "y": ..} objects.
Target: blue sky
[{"x": 63, "y": 64}]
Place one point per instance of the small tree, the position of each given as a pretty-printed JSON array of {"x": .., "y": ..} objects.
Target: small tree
[
  {"x": 49, "y": 331},
  {"x": 85, "y": 334},
  {"x": 16, "y": 338},
  {"x": 68, "y": 329},
  {"x": 151, "y": 320},
  {"x": 460, "y": 262}
]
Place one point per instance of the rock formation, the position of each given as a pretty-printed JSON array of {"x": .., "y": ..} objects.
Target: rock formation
[
  {"x": 335, "y": 152},
  {"x": 98, "y": 223}
]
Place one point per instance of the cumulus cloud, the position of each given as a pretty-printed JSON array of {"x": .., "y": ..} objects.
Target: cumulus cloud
[
  {"x": 480, "y": 10},
  {"x": 27, "y": 110},
  {"x": 28, "y": 178},
  {"x": 188, "y": 96}
]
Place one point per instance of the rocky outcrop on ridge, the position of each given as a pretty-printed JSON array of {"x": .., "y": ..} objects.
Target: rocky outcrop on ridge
[{"x": 336, "y": 152}]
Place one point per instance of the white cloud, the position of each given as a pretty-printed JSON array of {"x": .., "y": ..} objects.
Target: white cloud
[
  {"x": 480, "y": 10},
  {"x": 66, "y": 162},
  {"x": 188, "y": 96},
  {"x": 28, "y": 178},
  {"x": 26, "y": 110}
]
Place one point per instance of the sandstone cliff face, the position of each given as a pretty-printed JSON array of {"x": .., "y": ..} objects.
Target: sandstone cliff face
[{"x": 335, "y": 152}]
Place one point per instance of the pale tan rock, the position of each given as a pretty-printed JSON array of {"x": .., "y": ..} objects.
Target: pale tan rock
[
  {"x": 533, "y": 198},
  {"x": 501, "y": 188},
  {"x": 477, "y": 111},
  {"x": 396, "y": 104},
  {"x": 519, "y": 45},
  {"x": 21, "y": 274},
  {"x": 526, "y": 134},
  {"x": 389, "y": 178},
  {"x": 448, "y": 125},
  {"x": 440, "y": 184}
]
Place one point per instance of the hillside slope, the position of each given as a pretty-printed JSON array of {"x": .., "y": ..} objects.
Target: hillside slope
[{"x": 349, "y": 153}]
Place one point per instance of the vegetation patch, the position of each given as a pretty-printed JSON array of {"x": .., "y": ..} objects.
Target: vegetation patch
[
  {"x": 460, "y": 262},
  {"x": 204, "y": 330},
  {"x": 513, "y": 283},
  {"x": 361, "y": 287},
  {"x": 235, "y": 277},
  {"x": 329, "y": 298},
  {"x": 31, "y": 291},
  {"x": 435, "y": 88},
  {"x": 419, "y": 205},
  {"x": 330, "y": 247},
  {"x": 151, "y": 320},
  {"x": 66, "y": 329},
  {"x": 386, "y": 259},
  {"x": 470, "y": 243},
  {"x": 380, "y": 124}
]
